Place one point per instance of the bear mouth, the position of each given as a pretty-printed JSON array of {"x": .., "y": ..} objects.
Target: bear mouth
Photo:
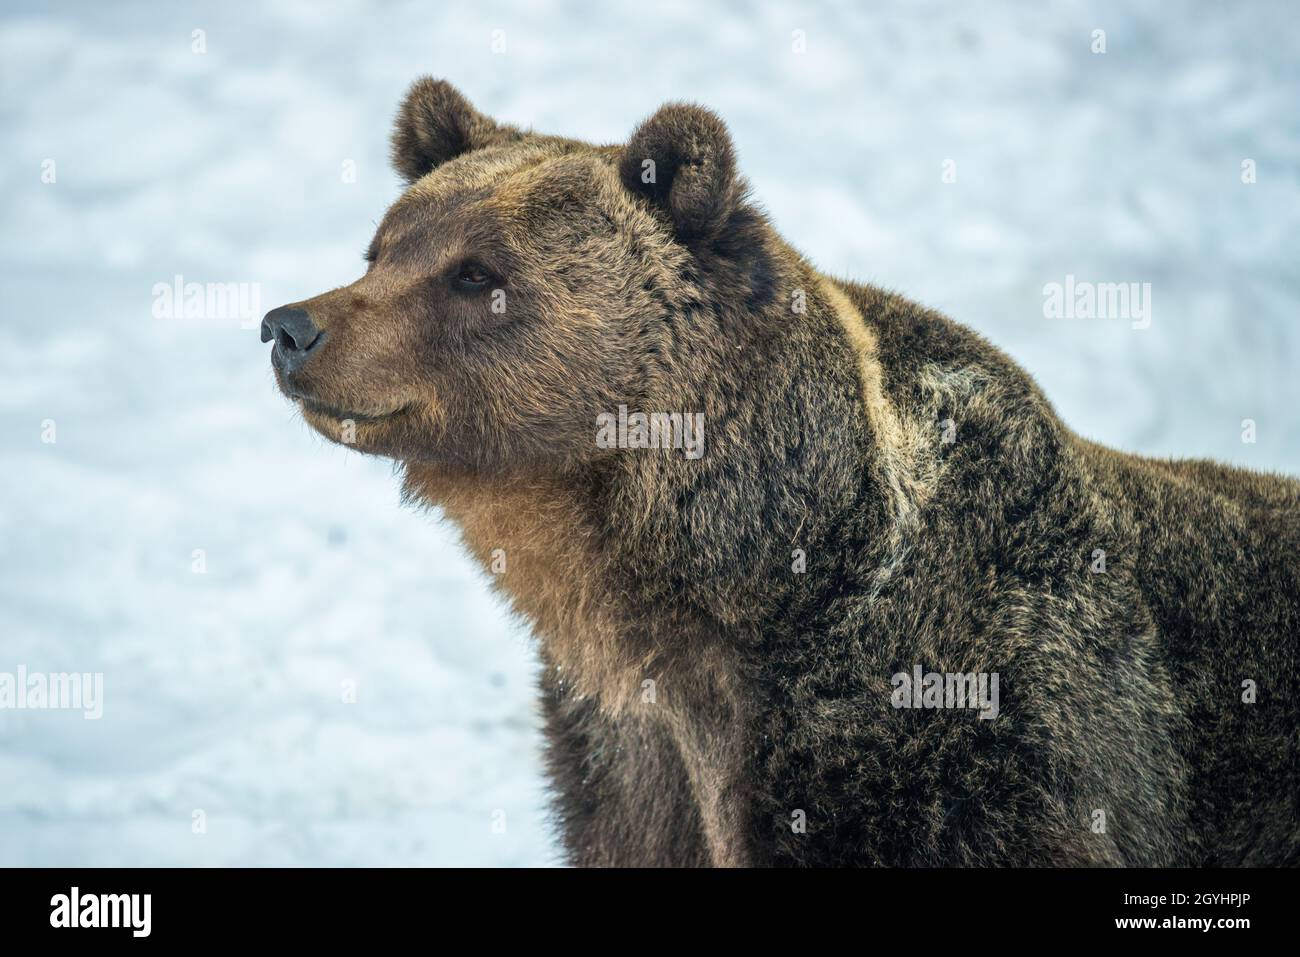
[{"x": 317, "y": 407}]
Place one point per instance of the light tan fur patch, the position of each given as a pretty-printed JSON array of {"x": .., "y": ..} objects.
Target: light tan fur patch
[{"x": 901, "y": 442}]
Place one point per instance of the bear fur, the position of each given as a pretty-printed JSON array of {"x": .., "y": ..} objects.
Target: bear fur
[{"x": 880, "y": 490}]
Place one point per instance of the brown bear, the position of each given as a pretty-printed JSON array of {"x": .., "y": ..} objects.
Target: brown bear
[{"x": 817, "y": 575}]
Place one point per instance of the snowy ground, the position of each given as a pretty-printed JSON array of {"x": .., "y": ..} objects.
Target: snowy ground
[{"x": 223, "y": 690}]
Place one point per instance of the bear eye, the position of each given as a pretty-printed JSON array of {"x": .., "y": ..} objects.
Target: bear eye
[{"x": 471, "y": 277}]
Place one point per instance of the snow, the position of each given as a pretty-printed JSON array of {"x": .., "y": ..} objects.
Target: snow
[{"x": 225, "y": 690}]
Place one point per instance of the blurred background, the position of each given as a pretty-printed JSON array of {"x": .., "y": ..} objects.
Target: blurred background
[{"x": 318, "y": 674}]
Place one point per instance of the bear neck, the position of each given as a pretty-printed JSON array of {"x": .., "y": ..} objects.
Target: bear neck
[{"x": 650, "y": 564}]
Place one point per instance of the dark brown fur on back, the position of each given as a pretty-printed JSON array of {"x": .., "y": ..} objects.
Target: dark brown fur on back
[{"x": 880, "y": 489}]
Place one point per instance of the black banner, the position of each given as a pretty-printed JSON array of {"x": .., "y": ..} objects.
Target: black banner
[{"x": 946, "y": 907}]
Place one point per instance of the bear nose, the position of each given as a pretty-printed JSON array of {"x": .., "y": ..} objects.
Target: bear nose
[{"x": 294, "y": 333}]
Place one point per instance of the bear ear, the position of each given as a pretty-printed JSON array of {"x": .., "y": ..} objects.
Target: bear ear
[
  {"x": 435, "y": 124},
  {"x": 682, "y": 159}
]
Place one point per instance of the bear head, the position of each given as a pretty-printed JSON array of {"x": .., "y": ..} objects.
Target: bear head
[{"x": 524, "y": 284}]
